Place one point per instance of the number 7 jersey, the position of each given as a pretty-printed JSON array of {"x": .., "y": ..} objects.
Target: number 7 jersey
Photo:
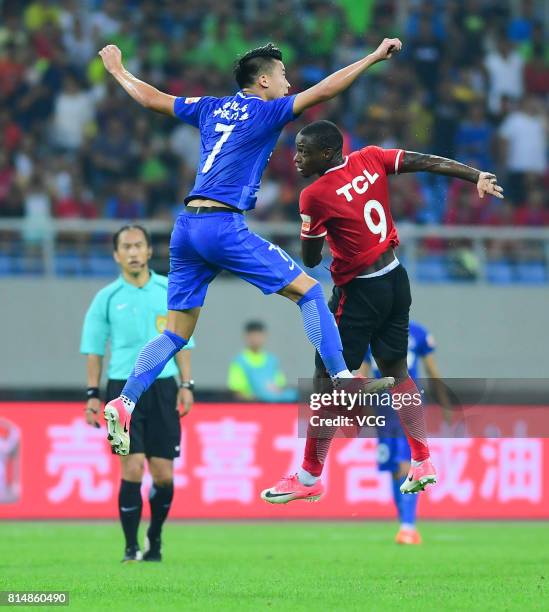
[
  {"x": 349, "y": 205},
  {"x": 237, "y": 137}
]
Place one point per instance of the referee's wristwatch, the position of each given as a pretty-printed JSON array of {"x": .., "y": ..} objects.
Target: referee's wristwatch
[{"x": 187, "y": 384}]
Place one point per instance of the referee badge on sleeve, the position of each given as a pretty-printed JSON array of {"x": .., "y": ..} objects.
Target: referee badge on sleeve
[{"x": 161, "y": 321}]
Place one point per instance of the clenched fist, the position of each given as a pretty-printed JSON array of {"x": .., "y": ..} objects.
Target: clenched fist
[
  {"x": 387, "y": 48},
  {"x": 112, "y": 58},
  {"x": 488, "y": 183}
]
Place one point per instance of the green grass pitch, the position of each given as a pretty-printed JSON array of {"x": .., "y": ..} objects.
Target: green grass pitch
[{"x": 285, "y": 566}]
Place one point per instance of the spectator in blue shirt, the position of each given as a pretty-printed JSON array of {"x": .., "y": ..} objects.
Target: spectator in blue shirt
[{"x": 474, "y": 138}]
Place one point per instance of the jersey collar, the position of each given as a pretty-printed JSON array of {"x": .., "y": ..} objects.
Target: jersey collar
[
  {"x": 243, "y": 95},
  {"x": 338, "y": 167},
  {"x": 146, "y": 286}
]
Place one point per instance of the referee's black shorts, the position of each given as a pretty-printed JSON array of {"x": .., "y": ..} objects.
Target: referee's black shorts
[
  {"x": 155, "y": 428},
  {"x": 372, "y": 312}
]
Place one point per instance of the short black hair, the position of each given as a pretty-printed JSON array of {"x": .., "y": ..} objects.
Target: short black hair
[
  {"x": 132, "y": 226},
  {"x": 324, "y": 135},
  {"x": 248, "y": 67},
  {"x": 255, "y": 325}
]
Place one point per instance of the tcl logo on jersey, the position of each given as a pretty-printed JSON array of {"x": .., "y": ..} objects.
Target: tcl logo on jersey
[{"x": 359, "y": 185}]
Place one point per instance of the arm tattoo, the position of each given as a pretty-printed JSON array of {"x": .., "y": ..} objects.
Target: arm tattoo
[{"x": 420, "y": 162}]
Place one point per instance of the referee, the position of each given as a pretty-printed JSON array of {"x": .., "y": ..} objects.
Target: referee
[{"x": 129, "y": 312}]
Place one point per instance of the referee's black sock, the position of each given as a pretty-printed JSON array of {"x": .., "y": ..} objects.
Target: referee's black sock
[
  {"x": 160, "y": 499},
  {"x": 130, "y": 505}
]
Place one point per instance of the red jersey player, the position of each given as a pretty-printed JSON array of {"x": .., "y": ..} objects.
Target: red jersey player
[{"x": 349, "y": 206}]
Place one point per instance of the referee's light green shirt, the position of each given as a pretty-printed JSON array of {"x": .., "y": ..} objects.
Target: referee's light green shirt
[{"x": 129, "y": 317}]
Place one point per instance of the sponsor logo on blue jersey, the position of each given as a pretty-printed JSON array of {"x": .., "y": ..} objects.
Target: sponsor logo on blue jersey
[{"x": 237, "y": 137}]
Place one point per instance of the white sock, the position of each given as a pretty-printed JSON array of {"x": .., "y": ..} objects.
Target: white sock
[
  {"x": 305, "y": 478},
  {"x": 128, "y": 404},
  {"x": 416, "y": 463},
  {"x": 343, "y": 374},
  {"x": 408, "y": 526}
]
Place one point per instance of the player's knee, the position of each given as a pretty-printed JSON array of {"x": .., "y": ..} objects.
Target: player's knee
[
  {"x": 308, "y": 283},
  {"x": 164, "y": 481},
  {"x": 300, "y": 287},
  {"x": 162, "y": 475},
  {"x": 182, "y": 322},
  {"x": 313, "y": 292},
  {"x": 133, "y": 468},
  {"x": 161, "y": 471}
]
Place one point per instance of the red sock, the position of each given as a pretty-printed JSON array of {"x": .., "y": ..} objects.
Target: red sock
[
  {"x": 412, "y": 420},
  {"x": 317, "y": 447}
]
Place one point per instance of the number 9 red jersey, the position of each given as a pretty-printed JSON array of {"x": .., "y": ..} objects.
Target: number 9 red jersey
[{"x": 349, "y": 205}]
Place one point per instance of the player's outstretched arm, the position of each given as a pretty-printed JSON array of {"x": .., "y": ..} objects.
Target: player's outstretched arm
[
  {"x": 147, "y": 95},
  {"x": 339, "y": 81},
  {"x": 487, "y": 182}
]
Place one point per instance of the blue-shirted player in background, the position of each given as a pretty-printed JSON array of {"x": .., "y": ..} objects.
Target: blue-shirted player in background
[
  {"x": 393, "y": 450},
  {"x": 238, "y": 135}
]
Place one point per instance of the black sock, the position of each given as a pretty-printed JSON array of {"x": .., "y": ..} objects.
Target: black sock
[
  {"x": 160, "y": 499},
  {"x": 130, "y": 505}
]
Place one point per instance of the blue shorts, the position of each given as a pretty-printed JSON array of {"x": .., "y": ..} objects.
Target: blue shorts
[
  {"x": 391, "y": 452},
  {"x": 202, "y": 245}
]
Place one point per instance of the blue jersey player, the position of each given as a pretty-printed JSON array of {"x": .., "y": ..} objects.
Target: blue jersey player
[
  {"x": 393, "y": 448},
  {"x": 238, "y": 134}
]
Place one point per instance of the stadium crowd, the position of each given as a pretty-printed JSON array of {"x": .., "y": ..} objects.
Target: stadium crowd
[{"x": 472, "y": 82}]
